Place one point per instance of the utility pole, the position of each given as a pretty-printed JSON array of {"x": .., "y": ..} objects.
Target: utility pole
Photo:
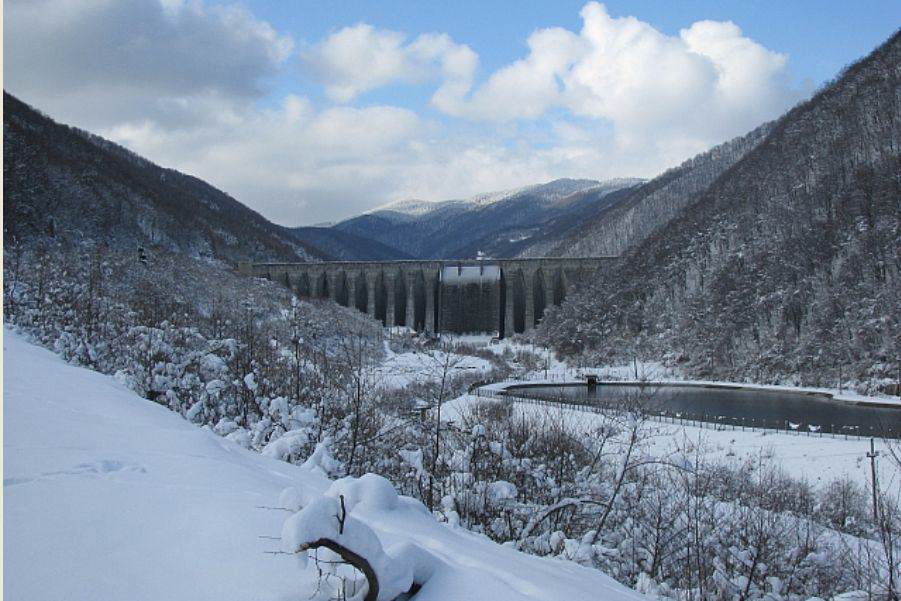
[
  {"x": 547, "y": 360},
  {"x": 872, "y": 456}
]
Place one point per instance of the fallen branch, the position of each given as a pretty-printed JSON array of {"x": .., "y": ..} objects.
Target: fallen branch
[{"x": 354, "y": 559}]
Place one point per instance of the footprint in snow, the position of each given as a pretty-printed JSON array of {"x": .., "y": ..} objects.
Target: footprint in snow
[{"x": 99, "y": 468}]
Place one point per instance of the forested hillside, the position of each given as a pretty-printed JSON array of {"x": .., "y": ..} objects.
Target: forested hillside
[
  {"x": 615, "y": 228},
  {"x": 345, "y": 246},
  {"x": 789, "y": 263},
  {"x": 67, "y": 184}
]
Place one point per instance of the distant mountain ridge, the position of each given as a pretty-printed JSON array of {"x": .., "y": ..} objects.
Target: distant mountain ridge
[
  {"x": 549, "y": 190},
  {"x": 339, "y": 245},
  {"x": 80, "y": 186},
  {"x": 68, "y": 184},
  {"x": 500, "y": 224}
]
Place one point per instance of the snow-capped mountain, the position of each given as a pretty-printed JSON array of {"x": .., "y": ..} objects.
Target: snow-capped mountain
[{"x": 496, "y": 223}]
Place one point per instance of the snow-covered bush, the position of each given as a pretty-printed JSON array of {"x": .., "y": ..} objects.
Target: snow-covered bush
[{"x": 327, "y": 527}]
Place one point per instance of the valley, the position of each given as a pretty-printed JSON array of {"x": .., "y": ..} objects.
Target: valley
[{"x": 678, "y": 387}]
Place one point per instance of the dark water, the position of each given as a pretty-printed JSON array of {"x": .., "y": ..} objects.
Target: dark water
[{"x": 760, "y": 408}]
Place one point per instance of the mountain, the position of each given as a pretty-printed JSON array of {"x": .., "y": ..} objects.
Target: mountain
[
  {"x": 339, "y": 245},
  {"x": 787, "y": 265},
  {"x": 73, "y": 185},
  {"x": 500, "y": 224},
  {"x": 618, "y": 226}
]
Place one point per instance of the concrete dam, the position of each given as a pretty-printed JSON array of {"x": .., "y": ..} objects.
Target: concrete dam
[{"x": 460, "y": 296}]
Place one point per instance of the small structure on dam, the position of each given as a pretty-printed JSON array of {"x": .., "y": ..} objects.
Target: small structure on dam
[{"x": 490, "y": 295}]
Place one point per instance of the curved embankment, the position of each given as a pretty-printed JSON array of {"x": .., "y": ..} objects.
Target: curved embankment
[
  {"x": 826, "y": 394},
  {"x": 730, "y": 404}
]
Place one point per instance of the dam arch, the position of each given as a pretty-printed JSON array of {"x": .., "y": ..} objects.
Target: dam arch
[{"x": 488, "y": 295}]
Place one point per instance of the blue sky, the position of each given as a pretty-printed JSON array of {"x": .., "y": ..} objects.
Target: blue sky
[
  {"x": 819, "y": 37},
  {"x": 314, "y": 111}
]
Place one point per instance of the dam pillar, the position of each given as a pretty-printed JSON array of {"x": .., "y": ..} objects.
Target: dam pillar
[
  {"x": 304, "y": 284},
  {"x": 568, "y": 281},
  {"x": 430, "y": 279},
  {"x": 371, "y": 281},
  {"x": 410, "y": 320},
  {"x": 295, "y": 283},
  {"x": 315, "y": 277},
  {"x": 528, "y": 288},
  {"x": 549, "y": 282},
  {"x": 390, "y": 295},
  {"x": 509, "y": 308},
  {"x": 332, "y": 277},
  {"x": 351, "y": 289}
]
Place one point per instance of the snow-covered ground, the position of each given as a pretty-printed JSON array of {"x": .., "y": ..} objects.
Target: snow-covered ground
[
  {"x": 109, "y": 496},
  {"x": 819, "y": 460},
  {"x": 399, "y": 370}
]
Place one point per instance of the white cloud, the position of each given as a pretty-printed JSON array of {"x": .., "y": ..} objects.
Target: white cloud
[
  {"x": 185, "y": 84},
  {"x": 526, "y": 88},
  {"x": 667, "y": 94},
  {"x": 302, "y": 165},
  {"x": 360, "y": 58},
  {"x": 95, "y": 61}
]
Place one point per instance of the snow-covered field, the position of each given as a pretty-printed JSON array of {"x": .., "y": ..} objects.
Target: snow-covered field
[
  {"x": 399, "y": 370},
  {"x": 109, "y": 496},
  {"x": 819, "y": 460}
]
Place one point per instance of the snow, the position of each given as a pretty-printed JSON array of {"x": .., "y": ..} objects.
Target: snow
[
  {"x": 413, "y": 458},
  {"x": 109, "y": 496},
  {"x": 370, "y": 490},
  {"x": 286, "y": 444},
  {"x": 321, "y": 460},
  {"x": 501, "y": 490},
  {"x": 326, "y": 517},
  {"x": 399, "y": 370}
]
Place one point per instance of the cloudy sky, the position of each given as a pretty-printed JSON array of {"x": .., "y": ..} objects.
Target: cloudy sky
[{"x": 314, "y": 111}]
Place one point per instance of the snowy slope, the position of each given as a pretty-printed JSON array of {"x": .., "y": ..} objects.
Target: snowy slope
[{"x": 108, "y": 496}]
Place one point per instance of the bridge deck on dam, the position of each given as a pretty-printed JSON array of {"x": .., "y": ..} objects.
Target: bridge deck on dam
[{"x": 489, "y": 295}]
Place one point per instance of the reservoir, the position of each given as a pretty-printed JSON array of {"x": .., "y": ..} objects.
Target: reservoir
[{"x": 733, "y": 405}]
